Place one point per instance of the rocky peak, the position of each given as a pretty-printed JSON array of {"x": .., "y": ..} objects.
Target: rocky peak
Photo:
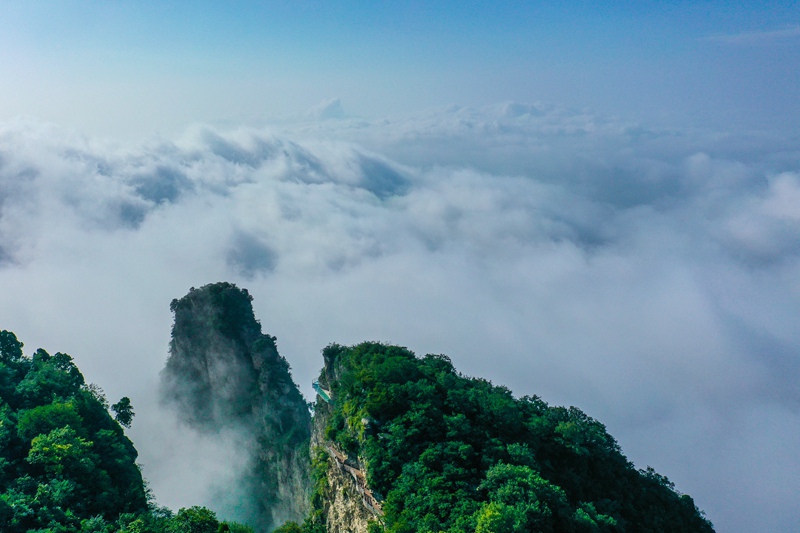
[{"x": 224, "y": 373}]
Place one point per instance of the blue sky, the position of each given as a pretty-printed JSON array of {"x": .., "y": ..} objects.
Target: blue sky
[{"x": 98, "y": 65}]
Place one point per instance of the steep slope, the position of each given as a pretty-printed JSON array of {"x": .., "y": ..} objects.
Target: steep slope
[
  {"x": 65, "y": 463},
  {"x": 443, "y": 452},
  {"x": 224, "y": 374},
  {"x": 339, "y": 501}
]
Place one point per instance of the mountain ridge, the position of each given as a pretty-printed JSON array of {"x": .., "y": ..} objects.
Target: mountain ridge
[{"x": 397, "y": 443}]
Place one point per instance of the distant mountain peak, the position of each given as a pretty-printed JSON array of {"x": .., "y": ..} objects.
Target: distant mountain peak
[{"x": 327, "y": 110}]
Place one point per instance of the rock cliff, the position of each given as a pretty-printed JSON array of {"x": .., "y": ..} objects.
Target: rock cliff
[
  {"x": 224, "y": 374},
  {"x": 343, "y": 501}
]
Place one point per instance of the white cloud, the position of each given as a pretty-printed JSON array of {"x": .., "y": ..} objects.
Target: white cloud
[
  {"x": 649, "y": 277},
  {"x": 327, "y": 109},
  {"x": 783, "y": 200},
  {"x": 756, "y": 37}
]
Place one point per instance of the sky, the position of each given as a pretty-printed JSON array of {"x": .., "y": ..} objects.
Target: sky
[
  {"x": 128, "y": 69},
  {"x": 595, "y": 203}
]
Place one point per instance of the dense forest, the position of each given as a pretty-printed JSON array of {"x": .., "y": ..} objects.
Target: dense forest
[
  {"x": 427, "y": 449},
  {"x": 449, "y": 453},
  {"x": 65, "y": 462}
]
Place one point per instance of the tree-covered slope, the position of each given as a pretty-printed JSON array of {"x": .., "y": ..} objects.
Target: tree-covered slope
[
  {"x": 458, "y": 454},
  {"x": 64, "y": 461},
  {"x": 66, "y": 465}
]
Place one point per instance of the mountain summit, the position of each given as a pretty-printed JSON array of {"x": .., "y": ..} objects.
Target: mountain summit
[{"x": 224, "y": 375}]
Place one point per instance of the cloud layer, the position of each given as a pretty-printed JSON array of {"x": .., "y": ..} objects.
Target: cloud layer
[{"x": 648, "y": 277}]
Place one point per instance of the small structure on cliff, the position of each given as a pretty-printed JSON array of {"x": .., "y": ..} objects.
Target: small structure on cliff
[{"x": 324, "y": 394}]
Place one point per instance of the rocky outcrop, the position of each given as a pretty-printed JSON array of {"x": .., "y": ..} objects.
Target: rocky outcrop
[
  {"x": 342, "y": 501},
  {"x": 224, "y": 374},
  {"x": 347, "y": 503},
  {"x": 344, "y": 511}
]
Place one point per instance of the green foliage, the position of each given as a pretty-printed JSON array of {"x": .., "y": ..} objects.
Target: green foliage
[
  {"x": 446, "y": 453},
  {"x": 289, "y": 527},
  {"x": 315, "y": 521},
  {"x": 375, "y": 527},
  {"x": 235, "y": 527},
  {"x": 123, "y": 411},
  {"x": 96, "y": 524},
  {"x": 535, "y": 503},
  {"x": 65, "y": 464},
  {"x": 155, "y": 521},
  {"x": 62, "y": 452},
  {"x": 497, "y": 517},
  {"x": 10, "y": 348},
  {"x": 452, "y": 453},
  {"x": 194, "y": 520},
  {"x": 97, "y": 393},
  {"x": 234, "y": 304},
  {"x": 46, "y": 380},
  {"x": 45, "y": 418}
]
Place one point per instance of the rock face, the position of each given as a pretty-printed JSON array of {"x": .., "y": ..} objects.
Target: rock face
[
  {"x": 341, "y": 502},
  {"x": 343, "y": 509},
  {"x": 224, "y": 375}
]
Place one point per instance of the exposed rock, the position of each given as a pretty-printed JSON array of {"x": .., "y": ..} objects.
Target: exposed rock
[
  {"x": 224, "y": 374},
  {"x": 345, "y": 509}
]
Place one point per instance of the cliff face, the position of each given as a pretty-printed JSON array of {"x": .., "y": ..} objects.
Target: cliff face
[
  {"x": 224, "y": 374},
  {"x": 447, "y": 452},
  {"x": 340, "y": 499},
  {"x": 343, "y": 509}
]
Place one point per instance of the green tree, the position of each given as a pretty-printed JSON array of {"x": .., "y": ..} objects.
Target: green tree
[
  {"x": 65, "y": 464},
  {"x": 452, "y": 453},
  {"x": 96, "y": 524},
  {"x": 123, "y": 411},
  {"x": 10, "y": 347},
  {"x": 46, "y": 418},
  {"x": 289, "y": 527},
  {"x": 537, "y": 504},
  {"x": 236, "y": 527},
  {"x": 62, "y": 452},
  {"x": 495, "y": 517},
  {"x": 194, "y": 520}
]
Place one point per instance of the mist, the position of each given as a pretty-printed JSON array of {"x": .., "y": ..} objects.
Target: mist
[{"x": 648, "y": 276}]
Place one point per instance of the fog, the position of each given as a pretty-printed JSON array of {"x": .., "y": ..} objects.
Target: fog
[{"x": 649, "y": 276}]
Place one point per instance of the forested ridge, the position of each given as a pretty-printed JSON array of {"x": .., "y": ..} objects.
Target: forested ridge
[
  {"x": 439, "y": 451},
  {"x": 450, "y": 453}
]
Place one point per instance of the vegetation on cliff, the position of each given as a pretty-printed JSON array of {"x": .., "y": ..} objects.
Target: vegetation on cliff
[
  {"x": 441, "y": 452},
  {"x": 451, "y": 453},
  {"x": 224, "y": 374}
]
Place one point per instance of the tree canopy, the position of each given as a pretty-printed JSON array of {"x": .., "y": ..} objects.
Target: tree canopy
[
  {"x": 65, "y": 464},
  {"x": 442, "y": 452},
  {"x": 453, "y": 453},
  {"x": 123, "y": 411}
]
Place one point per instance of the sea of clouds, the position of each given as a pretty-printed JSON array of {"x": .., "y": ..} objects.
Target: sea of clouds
[{"x": 650, "y": 277}]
